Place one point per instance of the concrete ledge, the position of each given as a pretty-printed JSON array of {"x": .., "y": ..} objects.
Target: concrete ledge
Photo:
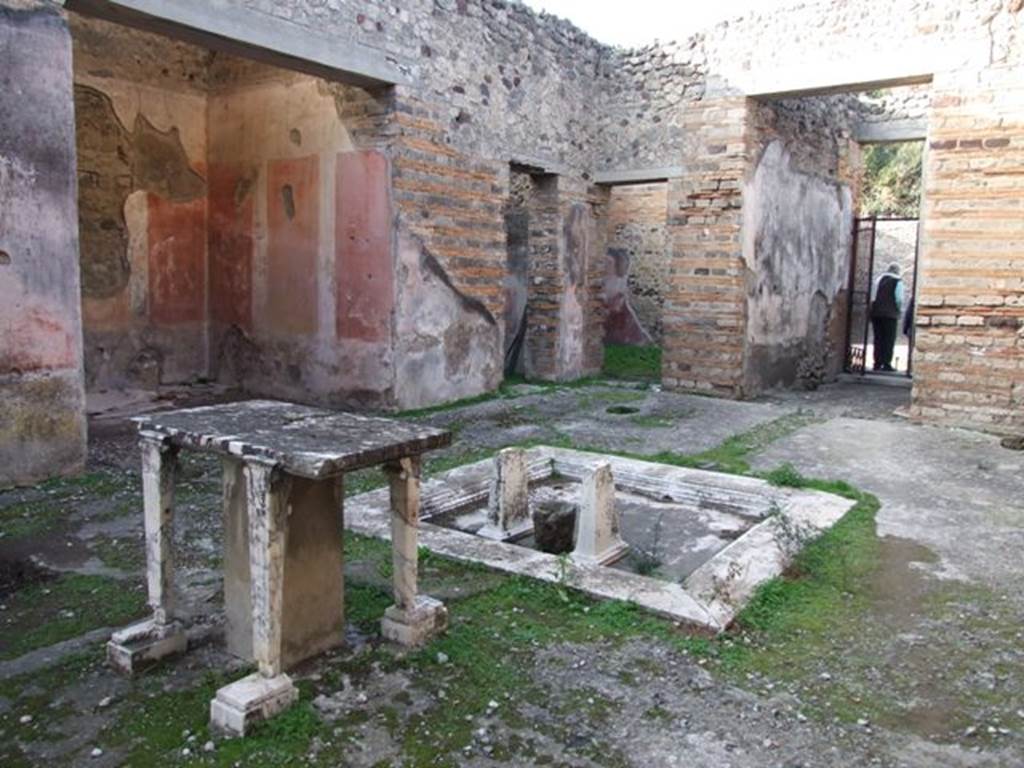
[
  {"x": 891, "y": 131},
  {"x": 223, "y": 26},
  {"x": 639, "y": 175},
  {"x": 708, "y": 600}
]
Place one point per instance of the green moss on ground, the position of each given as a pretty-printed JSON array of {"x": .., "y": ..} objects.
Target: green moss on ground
[
  {"x": 68, "y": 606},
  {"x": 47, "y": 507},
  {"x": 500, "y": 623}
]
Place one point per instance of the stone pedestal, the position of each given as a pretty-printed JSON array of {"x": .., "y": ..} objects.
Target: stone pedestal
[
  {"x": 415, "y": 625},
  {"x": 141, "y": 645},
  {"x": 414, "y": 618},
  {"x": 245, "y": 702},
  {"x": 313, "y": 575},
  {"x": 597, "y": 524},
  {"x": 508, "y": 508}
]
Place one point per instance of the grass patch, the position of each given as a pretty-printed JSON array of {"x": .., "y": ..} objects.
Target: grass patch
[
  {"x": 652, "y": 421},
  {"x": 632, "y": 363},
  {"x": 71, "y": 605},
  {"x": 47, "y": 507},
  {"x": 604, "y": 397},
  {"x": 127, "y": 554}
]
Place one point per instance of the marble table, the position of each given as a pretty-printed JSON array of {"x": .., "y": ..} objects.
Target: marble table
[{"x": 283, "y": 469}]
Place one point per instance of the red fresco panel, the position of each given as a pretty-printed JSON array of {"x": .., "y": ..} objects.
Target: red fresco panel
[
  {"x": 177, "y": 245},
  {"x": 293, "y": 237},
  {"x": 231, "y": 246},
  {"x": 364, "y": 271}
]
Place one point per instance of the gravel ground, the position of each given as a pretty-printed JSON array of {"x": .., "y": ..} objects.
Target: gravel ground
[{"x": 934, "y": 662}]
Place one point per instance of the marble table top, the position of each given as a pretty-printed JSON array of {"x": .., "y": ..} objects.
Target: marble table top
[{"x": 306, "y": 441}]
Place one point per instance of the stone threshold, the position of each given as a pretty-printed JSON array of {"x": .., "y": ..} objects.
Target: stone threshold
[{"x": 708, "y": 599}]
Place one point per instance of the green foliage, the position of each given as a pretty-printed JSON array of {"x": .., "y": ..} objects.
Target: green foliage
[
  {"x": 826, "y": 572},
  {"x": 786, "y": 476},
  {"x": 634, "y": 363},
  {"x": 892, "y": 179}
]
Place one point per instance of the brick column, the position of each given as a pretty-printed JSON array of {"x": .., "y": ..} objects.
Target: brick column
[
  {"x": 969, "y": 351},
  {"x": 705, "y": 315}
]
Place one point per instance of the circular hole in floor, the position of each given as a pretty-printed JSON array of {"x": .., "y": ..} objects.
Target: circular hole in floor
[{"x": 622, "y": 409}]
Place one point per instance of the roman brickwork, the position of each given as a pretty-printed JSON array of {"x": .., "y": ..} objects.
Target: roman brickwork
[
  {"x": 969, "y": 358},
  {"x": 330, "y": 236},
  {"x": 705, "y": 305}
]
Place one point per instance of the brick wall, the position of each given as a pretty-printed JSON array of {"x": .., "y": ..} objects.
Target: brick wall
[
  {"x": 705, "y": 315},
  {"x": 969, "y": 360}
]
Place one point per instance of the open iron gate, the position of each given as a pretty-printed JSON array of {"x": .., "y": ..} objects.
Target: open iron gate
[{"x": 864, "y": 269}]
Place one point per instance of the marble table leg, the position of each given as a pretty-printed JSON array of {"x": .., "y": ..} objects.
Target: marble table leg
[
  {"x": 267, "y": 691},
  {"x": 142, "y": 644},
  {"x": 414, "y": 618}
]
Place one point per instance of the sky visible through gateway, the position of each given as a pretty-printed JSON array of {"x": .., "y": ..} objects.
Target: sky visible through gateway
[{"x": 632, "y": 23}]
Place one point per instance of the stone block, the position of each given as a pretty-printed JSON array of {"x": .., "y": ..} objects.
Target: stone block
[
  {"x": 554, "y": 526},
  {"x": 415, "y": 626},
  {"x": 313, "y": 620},
  {"x": 140, "y": 646},
  {"x": 597, "y": 525},
  {"x": 255, "y": 698},
  {"x": 508, "y": 508}
]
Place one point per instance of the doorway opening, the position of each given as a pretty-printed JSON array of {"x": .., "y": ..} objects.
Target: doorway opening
[
  {"x": 880, "y": 244},
  {"x": 884, "y": 262},
  {"x": 636, "y": 278},
  {"x": 531, "y": 231}
]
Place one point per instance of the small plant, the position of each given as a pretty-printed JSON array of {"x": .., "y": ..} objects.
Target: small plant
[
  {"x": 790, "y": 535},
  {"x": 786, "y": 476},
  {"x": 562, "y": 565},
  {"x": 649, "y": 561}
]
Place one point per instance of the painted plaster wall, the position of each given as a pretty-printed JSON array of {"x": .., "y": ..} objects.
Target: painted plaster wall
[
  {"x": 637, "y": 263},
  {"x": 42, "y": 409},
  {"x": 797, "y": 243},
  {"x": 302, "y": 274},
  {"x": 140, "y": 120},
  {"x": 797, "y": 224}
]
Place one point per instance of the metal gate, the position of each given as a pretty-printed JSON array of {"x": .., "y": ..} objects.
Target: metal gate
[{"x": 876, "y": 243}]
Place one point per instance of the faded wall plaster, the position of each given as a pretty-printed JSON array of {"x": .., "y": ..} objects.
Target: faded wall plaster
[
  {"x": 140, "y": 114},
  {"x": 42, "y": 408},
  {"x": 796, "y": 249},
  {"x": 447, "y": 345},
  {"x": 302, "y": 292}
]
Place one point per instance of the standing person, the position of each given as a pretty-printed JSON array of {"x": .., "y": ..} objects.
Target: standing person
[{"x": 886, "y": 308}]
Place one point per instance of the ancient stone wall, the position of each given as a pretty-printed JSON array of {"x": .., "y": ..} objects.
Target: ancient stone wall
[
  {"x": 489, "y": 84},
  {"x": 639, "y": 119},
  {"x": 637, "y": 263},
  {"x": 42, "y": 402},
  {"x": 140, "y": 121}
]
